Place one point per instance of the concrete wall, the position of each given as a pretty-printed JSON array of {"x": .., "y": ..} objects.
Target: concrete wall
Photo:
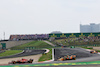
[
  {"x": 96, "y": 48},
  {"x": 15, "y": 43}
]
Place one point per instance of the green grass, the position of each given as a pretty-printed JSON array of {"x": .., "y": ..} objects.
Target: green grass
[
  {"x": 10, "y": 52},
  {"x": 35, "y": 44},
  {"x": 47, "y": 56},
  {"x": 86, "y": 48}
]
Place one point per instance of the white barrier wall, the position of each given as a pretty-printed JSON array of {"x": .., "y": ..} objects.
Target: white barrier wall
[
  {"x": 96, "y": 48},
  {"x": 15, "y": 43}
]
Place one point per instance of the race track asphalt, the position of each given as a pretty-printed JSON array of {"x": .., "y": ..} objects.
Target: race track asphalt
[
  {"x": 79, "y": 52},
  {"x": 26, "y": 53},
  {"x": 82, "y": 56}
]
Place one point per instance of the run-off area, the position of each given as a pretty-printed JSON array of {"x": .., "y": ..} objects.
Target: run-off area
[{"x": 79, "y": 52}]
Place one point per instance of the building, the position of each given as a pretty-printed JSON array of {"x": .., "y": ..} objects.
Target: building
[{"x": 90, "y": 28}]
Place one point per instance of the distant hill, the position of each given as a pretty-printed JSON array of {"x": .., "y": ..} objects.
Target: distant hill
[{"x": 55, "y": 32}]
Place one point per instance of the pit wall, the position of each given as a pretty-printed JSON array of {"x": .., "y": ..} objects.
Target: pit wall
[
  {"x": 96, "y": 48},
  {"x": 10, "y": 44}
]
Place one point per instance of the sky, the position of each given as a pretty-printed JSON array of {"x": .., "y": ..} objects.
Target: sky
[{"x": 45, "y": 16}]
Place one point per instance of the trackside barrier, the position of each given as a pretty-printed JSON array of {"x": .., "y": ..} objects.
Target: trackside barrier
[{"x": 34, "y": 48}]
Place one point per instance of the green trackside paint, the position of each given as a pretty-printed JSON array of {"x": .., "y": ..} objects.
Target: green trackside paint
[
  {"x": 54, "y": 64},
  {"x": 72, "y": 47}
]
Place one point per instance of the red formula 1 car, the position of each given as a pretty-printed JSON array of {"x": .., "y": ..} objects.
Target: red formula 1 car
[
  {"x": 21, "y": 61},
  {"x": 93, "y": 51}
]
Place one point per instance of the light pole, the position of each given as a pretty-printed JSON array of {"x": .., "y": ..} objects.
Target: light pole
[{"x": 4, "y": 35}]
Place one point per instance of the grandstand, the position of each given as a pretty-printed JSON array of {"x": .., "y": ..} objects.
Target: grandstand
[
  {"x": 57, "y": 36},
  {"x": 29, "y": 37}
]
